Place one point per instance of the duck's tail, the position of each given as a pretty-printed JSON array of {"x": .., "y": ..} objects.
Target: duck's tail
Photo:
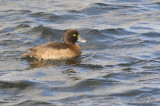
[{"x": 24, "y": 55}]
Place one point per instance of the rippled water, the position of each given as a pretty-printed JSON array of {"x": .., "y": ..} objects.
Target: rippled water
[{"x": 120, "y": 65}]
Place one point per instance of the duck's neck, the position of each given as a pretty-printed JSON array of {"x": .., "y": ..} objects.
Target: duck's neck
[{"x": 69, "y": 43}]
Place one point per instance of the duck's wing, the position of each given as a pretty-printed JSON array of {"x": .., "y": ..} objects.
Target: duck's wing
[
  {"x": 45, "y": 50},
  {"x": 50, "y": 45}
]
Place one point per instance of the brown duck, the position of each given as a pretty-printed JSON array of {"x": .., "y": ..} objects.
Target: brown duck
[{"x": 58, "y": 50}]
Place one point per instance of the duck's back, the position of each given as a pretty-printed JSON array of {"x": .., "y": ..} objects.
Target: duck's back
[{"x": 54, "y": 51}]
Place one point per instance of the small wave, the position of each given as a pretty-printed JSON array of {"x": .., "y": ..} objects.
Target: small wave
[
  {"x": 83, "y": 86},
  {"x": 90, "y": 66},
  {"x": 46, "y": 32},
  {"x": 99, "y": 8},
  {"x": 15, "y": 84},
  {"x": 54, "y": 18},
  {"x": 151, "y": 34},
  {"x": 11, "y": 43},
  {"x": 118, "y": 31},
  {"x": 150, "y": 37},
  {"x": 32, "y": 102},
  {"x": 45, "y": 15},
  {"x": 73, "y": 11},
  {"x": 124, "y": 1},
  {"x": 22, "y": 26},
  {"x": 92, "y": 34},
  {"x": 24, "y": 11}
]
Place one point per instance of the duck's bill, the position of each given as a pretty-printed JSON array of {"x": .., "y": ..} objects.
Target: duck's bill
[{"x": 81, "y": 39}]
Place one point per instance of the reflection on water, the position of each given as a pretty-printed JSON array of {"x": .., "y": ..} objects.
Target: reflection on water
[
  {"x": 118, "y": 66},
  {"x": 34, "y": 63}
]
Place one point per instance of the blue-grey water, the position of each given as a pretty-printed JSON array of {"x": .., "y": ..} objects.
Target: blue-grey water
[{"x": 119, "y": 66}]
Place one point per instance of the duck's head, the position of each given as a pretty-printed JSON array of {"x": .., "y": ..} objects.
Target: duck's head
[{"x": 71, "y": 36}]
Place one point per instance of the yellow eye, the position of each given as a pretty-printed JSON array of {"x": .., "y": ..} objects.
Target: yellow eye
[{"x": 74, "y": 35}]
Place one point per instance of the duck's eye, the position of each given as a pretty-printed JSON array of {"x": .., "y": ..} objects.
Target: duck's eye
[{"x": 74, "y": 35}]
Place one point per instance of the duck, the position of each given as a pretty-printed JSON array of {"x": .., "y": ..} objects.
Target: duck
[{"x": 55, "y": 50}]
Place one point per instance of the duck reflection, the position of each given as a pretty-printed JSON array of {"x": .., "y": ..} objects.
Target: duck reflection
[{"x": 35, "y": 63}]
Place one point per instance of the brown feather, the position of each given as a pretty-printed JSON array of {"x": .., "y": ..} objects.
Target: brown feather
[{"x": 54, "y": 50}]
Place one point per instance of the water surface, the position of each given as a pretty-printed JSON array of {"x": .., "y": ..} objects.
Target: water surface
[{"x": 120, "y": 65}]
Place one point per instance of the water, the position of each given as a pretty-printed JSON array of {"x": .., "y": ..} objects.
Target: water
[{"x": 120, "y": 65}]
